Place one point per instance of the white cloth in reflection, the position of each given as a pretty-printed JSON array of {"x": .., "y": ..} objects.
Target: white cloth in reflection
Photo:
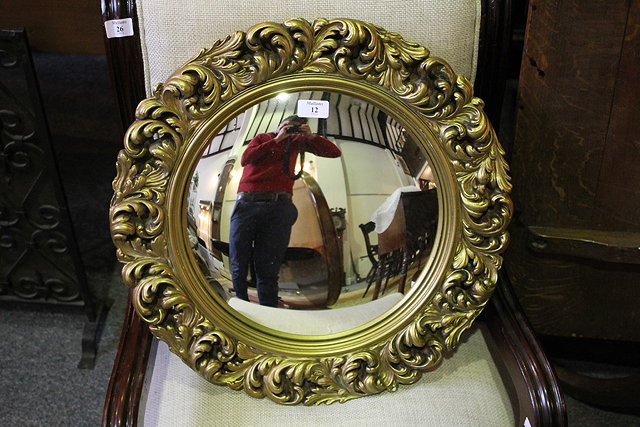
[{"x": 387, "y": 210}]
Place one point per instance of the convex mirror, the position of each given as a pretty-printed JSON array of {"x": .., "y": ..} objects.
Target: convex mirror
[
  {"x": 350, "y": 243},
  {"x": 412, "y": 137}
]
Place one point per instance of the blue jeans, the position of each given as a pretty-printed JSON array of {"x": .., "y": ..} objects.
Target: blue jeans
[{"x": 260, "y": 232}]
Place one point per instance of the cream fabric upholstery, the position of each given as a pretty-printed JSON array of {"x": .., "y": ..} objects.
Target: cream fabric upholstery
[
  {"x": 315, "y": 322},
  {"x": 171, "y": 32},
  {"x": 465, "y": 391}
]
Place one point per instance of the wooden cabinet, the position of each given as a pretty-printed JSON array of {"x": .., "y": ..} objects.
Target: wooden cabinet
[
  {"x": 575, "y": 253},
  {"x": 61, "y": 26}
]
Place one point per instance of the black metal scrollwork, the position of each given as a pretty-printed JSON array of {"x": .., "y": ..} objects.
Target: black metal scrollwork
[{"x": 38, "y": 258}]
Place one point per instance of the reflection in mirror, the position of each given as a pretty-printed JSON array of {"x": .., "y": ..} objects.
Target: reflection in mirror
[{"x": 366, "y": 220}]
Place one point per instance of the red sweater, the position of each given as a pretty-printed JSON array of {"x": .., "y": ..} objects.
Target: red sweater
[{"x": 262, "y": 161}]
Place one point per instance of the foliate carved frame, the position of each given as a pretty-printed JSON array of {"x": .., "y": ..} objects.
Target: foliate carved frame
[{"x": 436, "y": 106}]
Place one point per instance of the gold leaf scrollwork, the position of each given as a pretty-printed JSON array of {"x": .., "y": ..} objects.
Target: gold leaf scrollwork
[{"x": 349, "y": 49}]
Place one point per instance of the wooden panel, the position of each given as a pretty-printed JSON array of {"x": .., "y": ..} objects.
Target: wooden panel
[
  {"x": 567, "y": 83},
  {"x": 573, "y": 162},
  {"x": 64, "y": 26},
  {"x": 620, "y": 174}
]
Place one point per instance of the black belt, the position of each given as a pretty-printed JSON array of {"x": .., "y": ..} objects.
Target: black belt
[{"x": 264, "y": 196}]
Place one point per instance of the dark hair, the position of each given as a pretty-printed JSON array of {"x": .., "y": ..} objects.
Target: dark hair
[{"x": 295, "y": 118}]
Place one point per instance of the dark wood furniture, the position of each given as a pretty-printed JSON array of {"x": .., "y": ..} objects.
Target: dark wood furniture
[
  {"x": 387, "y": 263},
  {"x": 406, "y": 241},
  {"x": 61, "y": 26},
  {"x": 525, "y": 369},
  {"x": 574, "y": 259}
]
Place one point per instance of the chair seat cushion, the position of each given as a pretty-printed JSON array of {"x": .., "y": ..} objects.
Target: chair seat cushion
[{"x": 465, "y": 391}]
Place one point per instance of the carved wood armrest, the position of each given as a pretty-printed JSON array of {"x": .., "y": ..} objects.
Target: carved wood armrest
[{"x": 527, "y": 373}]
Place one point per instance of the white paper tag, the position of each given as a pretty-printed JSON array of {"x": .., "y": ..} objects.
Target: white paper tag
[
  {"x": 119, "y": 28},
  {"x": 313, "y": 108}
]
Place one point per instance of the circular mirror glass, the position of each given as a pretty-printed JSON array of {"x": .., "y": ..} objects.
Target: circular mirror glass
[{"x": 366, "y": 220}]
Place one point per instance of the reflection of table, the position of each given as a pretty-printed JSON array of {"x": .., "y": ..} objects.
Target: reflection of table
[{"x": 408, "y": 238}]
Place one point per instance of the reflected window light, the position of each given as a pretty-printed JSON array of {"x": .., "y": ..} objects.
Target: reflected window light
[
  {"x": 427, "y": 173},
  {"x": 427, "y": 178},
  {"x": 310, "y": 168},
  {"x": 214, "y": 181},
  {"x": 282, "y": 96},
  {"x": 204, "y": 219}
]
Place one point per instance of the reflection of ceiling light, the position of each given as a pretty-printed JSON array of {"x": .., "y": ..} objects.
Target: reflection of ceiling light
[{"x": 282, "y": 96}]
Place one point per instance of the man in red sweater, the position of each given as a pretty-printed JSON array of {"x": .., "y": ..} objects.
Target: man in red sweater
[{"x": 264, "y": 213}]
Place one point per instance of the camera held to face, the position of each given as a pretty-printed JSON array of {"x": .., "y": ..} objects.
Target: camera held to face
[{"x": 293, "y": 129}]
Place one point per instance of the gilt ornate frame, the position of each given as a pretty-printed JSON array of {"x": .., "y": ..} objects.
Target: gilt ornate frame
[{"x": 161, "y": 147}]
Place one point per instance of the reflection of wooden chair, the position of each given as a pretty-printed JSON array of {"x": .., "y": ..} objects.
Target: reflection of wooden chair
[
  {"x": 160, "y": 44},
  {"x": 407, "y": 240},
  {"x": 383, "y": 266},
  {"x": 372, "y": 250},
  {"x": 391, "y": 254},
  {"x": 421, "y": 220}
]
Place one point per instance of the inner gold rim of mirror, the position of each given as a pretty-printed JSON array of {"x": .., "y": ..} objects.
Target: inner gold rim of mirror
[
  {"x": 213, "y": 307},
  {"x": 435, "y": 105}
]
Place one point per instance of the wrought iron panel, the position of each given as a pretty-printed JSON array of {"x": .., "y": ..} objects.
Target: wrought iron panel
[{"x": 39, "y": 259}]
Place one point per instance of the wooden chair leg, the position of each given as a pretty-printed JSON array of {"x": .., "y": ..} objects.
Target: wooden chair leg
[
  {"x": 379, "y": 274},
  {"x": 403, "y": 271},
  {"x": 370, "y": 277}
]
